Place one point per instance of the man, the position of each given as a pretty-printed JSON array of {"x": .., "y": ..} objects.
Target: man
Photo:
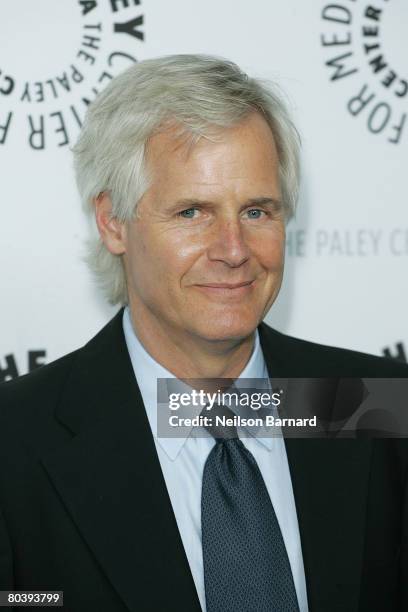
[{"x": 190, "y": 169}]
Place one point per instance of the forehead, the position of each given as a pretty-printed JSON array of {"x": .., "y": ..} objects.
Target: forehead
[{"x": 247, "y": 145}]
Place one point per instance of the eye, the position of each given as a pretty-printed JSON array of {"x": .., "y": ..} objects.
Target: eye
[
  {"x": 188, "y": 213},
  {"x": 255, "y": 213}
]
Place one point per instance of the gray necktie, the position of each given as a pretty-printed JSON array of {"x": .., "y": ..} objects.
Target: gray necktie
[{"x": 246, "y": 566}]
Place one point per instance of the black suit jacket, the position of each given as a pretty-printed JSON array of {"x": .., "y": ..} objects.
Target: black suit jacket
[{"x": 84, "y": 507}]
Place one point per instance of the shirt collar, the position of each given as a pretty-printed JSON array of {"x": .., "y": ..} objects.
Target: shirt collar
[{"x": 147, "y": 370}]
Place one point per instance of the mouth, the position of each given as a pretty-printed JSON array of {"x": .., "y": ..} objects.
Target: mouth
[
  {"x": 226, "y": 290},
  {"x": 226, "y": 285}
]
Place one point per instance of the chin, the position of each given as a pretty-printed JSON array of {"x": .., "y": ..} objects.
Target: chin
[{"x": 228, "y": 330}]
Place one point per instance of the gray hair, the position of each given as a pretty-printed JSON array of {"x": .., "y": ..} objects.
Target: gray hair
[{"x": 199, "y": 93}]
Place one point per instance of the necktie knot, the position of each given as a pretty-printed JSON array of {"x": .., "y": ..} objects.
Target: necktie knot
[{"x": 220, "y": 422}]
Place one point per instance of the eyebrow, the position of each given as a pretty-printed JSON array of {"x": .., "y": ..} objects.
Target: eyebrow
[{"x": 259, "y": 201}]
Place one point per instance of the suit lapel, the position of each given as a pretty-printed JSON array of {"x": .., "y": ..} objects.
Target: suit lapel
[
  {"x": 110, "y": 480},
  {"x": 330, "y": 482}
]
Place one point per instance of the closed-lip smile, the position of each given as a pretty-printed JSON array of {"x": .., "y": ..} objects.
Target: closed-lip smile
[{"x": 225, "y": 285}]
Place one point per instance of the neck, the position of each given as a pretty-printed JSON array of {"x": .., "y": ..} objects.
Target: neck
[{"x": 188, "y": 356}]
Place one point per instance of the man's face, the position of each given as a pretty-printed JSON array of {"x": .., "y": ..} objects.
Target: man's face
[{"x": 204, "y": 257}]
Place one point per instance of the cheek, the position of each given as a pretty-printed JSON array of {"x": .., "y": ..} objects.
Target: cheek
[
  {"x": 181, "y": 251},
  {"x": 269, "y": 251},
  {"x": 165, "y": 256}
]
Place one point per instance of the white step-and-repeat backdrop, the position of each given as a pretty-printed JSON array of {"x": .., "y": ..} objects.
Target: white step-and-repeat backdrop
[{"x": 344, "y": 68}]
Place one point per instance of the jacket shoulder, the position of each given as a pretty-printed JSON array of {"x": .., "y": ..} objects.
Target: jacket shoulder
[
  {"x": 36, "y": 393},
  {"x": 305, "y": 358},
  {"x": 31, "y": 400},
  {"x": 44, "y": 385}
]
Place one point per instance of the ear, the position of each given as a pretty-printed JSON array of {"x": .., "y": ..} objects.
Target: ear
[{"x": 110, "y": 229}]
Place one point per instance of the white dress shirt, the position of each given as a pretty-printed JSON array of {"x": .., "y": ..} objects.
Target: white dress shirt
[{"x": 182, "y": 462}]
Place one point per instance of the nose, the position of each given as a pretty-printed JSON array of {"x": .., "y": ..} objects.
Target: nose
[{"x": 228, "y": 243}]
